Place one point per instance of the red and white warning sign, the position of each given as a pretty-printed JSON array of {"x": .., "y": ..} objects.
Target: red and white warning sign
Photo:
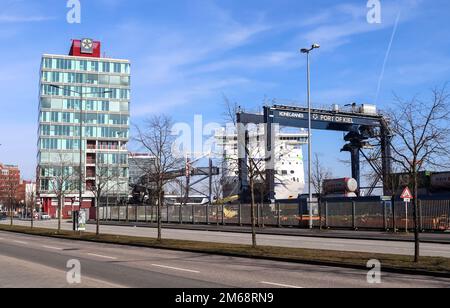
[{"x": 407, "y": 195}]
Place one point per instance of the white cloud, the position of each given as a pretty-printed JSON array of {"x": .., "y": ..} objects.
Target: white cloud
[
  {"x": 279, "y": 59},
  {"x": 175, "y": 66},
  {"x": 421, "y": 72},
  {"x": 336, "y": 26},
  {"x": 23, "y": 19},
  {"x": 162, "y": 101}
]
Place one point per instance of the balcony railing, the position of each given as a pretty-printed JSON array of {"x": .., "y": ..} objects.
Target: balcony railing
[{"x": 107, "y": 147}]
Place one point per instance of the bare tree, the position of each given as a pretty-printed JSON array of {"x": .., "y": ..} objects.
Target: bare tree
[
  {"x": 255, "y": 162},
  {"x": 155, "y": 136},
  {"x": 216, "y": 187},
  {"x": 63, "y": 182},
  {"x": 320, "y": 174},
  {"x": 105, "y": 182},
  {"x": 30, "y": 202},
  {"x": 421, "y": 141}
]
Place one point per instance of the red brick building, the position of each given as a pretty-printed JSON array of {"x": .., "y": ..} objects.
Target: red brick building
[{"x": 10, "y": 192}]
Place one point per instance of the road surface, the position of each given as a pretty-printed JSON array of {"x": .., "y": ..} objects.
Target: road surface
[
  {"x": 30, "y": 261},
  {"x": 370, "y": 246}
]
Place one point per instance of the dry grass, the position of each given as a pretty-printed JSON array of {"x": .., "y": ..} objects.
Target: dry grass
[{"x": 351, "y": 259}]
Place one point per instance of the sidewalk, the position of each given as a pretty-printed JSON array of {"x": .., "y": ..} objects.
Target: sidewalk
[{"x": 432, "y": 238}]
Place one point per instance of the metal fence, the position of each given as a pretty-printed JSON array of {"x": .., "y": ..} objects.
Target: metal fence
[
  {"x": 434, "y": 215},
  {"x": 233, "y": 214},
  {"x": 381, "y": 215}
]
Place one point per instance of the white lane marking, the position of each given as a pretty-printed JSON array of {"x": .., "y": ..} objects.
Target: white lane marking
[
  {"x": 101, "y": 256},
  {"x": 20, "y": 242},
  {"x": 52, "y": 248},
  {"x": 280, "y": 285},
  {"x": 176, "y": 268}
]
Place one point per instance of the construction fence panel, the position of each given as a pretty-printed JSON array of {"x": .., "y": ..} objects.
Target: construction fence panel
[
  {"x": 435, "y": 215},
  {"x": 269, "y": 215},
  {"x": 369, "y": 215},
  {"x": 401, "y": 221},
  {"x": 122, "y": 213},
  {"x": 231, "y": 214},
  {"x": 174, "y": 213},
  {"x": 186, "y": 211},
  {"x": 151, "y": 213},
  {"x": 340, "y": 214},
  {"x": 114, "y": 212},
  {"x": 141, "y": 214},
  {"x": 107, "y": 213},
  {"x": 289, "y": 214},
  {"x": 131, "y": 213},
  {"x": 215, "y": 214},
  {"x": 101, "y": 213},
  {"x": 246, "y": 214},
  {"x": 200, "y": 213}
]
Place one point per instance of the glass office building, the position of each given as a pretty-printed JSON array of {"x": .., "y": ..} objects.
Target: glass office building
[{"x": 88, "y": 95}]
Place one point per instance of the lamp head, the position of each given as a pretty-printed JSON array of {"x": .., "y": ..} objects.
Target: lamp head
[
  {"x": 315, "y": 46},
  {"x": 304, "y": 50}
]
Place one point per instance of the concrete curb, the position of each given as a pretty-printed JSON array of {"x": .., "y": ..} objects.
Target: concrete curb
[
  {"x": 388, "y": 269},
  {"x": 265, "y": 232}
]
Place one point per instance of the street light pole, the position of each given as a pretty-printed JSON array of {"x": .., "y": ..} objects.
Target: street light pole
[
  {"x": 119, "y": 136},
  {"x": 80, "y": 187},
  {"x": 310, "y": 197}
]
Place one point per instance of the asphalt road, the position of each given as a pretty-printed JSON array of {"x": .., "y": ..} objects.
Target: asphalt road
[
  {"x": 30, "y": 261},
  {"x": 370, "y": 246}
]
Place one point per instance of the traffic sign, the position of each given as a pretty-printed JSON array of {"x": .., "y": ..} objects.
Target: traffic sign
[{"x": 407, "y": 195}]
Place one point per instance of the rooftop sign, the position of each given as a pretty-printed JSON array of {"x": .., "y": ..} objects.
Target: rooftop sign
[{"x": 85, "y": 48}]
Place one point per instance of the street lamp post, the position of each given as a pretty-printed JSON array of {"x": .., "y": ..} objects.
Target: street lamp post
[
  {"x": 82, "y": 94},
  {"x": 307, "y": 52}
]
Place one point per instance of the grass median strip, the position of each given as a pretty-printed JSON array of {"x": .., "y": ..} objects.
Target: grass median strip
[{"x": 428, "y": 265}]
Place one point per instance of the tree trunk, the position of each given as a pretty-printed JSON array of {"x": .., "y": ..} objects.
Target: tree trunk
[
  {"x": 11, "y": 214},
  {"x": 252, "y": 192},
  {"x": 97, "y": 214},
  {"x": 32, "y": 216},
  {"x": 416, "y": 222},
  {"x": 159, "y": 215},
  {"x": 59, "y": 213}
]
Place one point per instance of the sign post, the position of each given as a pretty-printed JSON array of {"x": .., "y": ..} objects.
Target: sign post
[{"x": 407, "y": 196}]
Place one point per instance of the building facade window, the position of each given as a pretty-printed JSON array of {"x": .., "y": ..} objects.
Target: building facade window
[{"x": 106, "y": 85}]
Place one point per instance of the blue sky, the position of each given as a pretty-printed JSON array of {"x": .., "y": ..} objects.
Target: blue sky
[{"x": 188, "y": 54}]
